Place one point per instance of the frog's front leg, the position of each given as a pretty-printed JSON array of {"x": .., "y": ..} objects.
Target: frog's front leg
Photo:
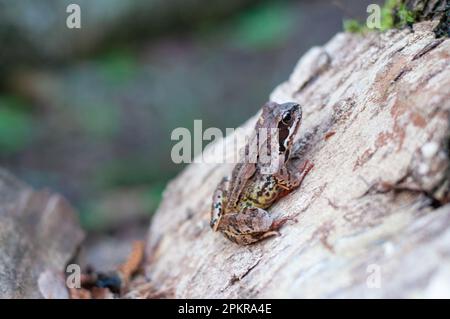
[
  {"x": 250, "y": 225},
  {"x": 289, "y": 180}
]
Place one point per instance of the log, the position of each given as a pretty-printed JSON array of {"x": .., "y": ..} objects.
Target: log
[
  {"x": 373, "y": 216},
  {"x": 39, "y": 235}
]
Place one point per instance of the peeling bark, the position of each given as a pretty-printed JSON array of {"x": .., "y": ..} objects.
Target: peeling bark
[{"x": 376, "y": 114}]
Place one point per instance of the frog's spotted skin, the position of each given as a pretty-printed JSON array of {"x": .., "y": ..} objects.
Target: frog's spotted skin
[
  {"x": 262, "y": 195},
  {"x": 239, "y": 203}
]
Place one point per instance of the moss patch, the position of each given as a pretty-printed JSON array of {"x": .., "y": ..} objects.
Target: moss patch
[{"x": 394, "y": 14}]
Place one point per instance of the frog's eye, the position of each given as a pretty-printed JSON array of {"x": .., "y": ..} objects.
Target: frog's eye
[{"x": 287, "y": 118}]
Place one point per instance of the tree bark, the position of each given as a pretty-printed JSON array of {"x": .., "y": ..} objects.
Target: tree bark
[{"x": 373, "y": 218}]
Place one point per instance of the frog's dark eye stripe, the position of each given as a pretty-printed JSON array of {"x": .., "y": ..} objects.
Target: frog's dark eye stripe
[{"x": 283, "y": 134}]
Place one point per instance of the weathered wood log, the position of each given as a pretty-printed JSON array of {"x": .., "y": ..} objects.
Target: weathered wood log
[
  {"x": 39, "y": 234},
  {"x": 373, "y": 218}
]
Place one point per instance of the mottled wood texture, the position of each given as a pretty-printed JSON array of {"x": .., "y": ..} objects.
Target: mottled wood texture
[
  {"x": 39, "y": 234},
  {"x": 376, "y": 109}
]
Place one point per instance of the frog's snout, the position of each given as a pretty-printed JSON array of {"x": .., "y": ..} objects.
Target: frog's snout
[{"x": 291, "y": 106}]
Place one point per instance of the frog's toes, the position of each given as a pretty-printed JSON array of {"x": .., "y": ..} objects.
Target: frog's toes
[{"x": 278, "y": 223}]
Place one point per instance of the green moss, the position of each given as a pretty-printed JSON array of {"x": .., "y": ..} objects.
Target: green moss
[
  {"x": 354, "y": 26},
  {"x": 406, "y": 16},
  {"x": 387, "y": 18},
  {"x": 394, "y": 14}
]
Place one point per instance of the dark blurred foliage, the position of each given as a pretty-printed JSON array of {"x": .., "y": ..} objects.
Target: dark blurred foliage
[{"x": 89, "y": 112}]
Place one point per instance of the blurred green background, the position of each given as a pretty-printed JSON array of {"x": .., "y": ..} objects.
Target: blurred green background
[{"x": 88, "y": 112}]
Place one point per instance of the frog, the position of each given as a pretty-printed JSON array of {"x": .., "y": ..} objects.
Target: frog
[{"x": 240, "y": 201}]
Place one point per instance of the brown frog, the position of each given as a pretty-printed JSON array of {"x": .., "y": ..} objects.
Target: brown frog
[{"x": 240, "y": 202}]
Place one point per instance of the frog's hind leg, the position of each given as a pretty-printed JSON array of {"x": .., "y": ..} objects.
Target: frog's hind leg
[
  {"x": 291, "y": 181},
  {"x": 218, "y": 204},
  {"x": 250, "y": 225},
  {"x": 250, "y": 238}
]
